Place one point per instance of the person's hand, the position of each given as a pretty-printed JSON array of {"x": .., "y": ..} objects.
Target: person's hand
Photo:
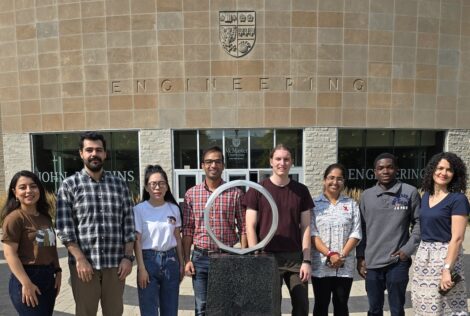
[
  {"x": 305, "y": 272},
  {"x": 29, "y": 292},
  {"x": 339, "y": 262},
  {"x": 189, "y": 269},
  {"x": 361, "y": 267},
  {"x": 446, "y": 280},
  {"x": 142, "y": 277},
  {"x": 124, "y": 269},
  {"x": 335, "y": 261},
  {"x": 403, "y": 256},
  {"x": 84, "y": 270},
  {"x": 58, "y": 282}
]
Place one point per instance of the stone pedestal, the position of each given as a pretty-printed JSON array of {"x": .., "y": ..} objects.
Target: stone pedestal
[{"x": 243, "y": 285}]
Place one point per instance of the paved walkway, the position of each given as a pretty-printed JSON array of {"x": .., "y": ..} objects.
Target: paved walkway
[{"x": 65, "y": 304}]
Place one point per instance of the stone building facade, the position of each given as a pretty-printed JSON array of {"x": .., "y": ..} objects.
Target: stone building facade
[{"x": 159, "y": 66}]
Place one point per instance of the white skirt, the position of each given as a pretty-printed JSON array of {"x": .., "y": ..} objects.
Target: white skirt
[{"x": 426, "y": 279}]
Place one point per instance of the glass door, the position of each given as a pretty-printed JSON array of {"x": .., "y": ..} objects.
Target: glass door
[
  {"x": 183, "y": 181},
  {"x": 236, "y": 174}
]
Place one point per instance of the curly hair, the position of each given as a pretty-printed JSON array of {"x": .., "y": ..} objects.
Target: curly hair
[{"x": 459, "y": 179}]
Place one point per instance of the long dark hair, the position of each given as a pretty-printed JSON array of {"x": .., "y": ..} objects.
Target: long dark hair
[
  {"x": 12, "y": 203},
  {"x": 151, "y": 169},
  {"x": 459, "y": 179}
]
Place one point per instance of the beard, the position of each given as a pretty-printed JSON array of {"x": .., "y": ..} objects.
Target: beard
[{"x": 94, "y": 164}]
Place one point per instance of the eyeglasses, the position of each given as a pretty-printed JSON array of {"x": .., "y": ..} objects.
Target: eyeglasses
[
  {"x": 333, "y": 178},
  {"x": 160, "y": 184},
  {"x": 209, "y": 162}
]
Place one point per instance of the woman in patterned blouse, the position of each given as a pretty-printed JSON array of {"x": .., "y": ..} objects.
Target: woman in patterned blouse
[{"x": 336, "y": 230}]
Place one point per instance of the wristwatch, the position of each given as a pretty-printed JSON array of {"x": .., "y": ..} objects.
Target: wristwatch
[
  {"x": 447, "y": 266},
  {"x": 131, "y": 258}
]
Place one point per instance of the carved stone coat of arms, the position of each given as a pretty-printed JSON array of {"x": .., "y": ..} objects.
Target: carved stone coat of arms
[{"x": 237, "y": 31}]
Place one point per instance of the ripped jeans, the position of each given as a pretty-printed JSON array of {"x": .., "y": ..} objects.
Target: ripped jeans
[{"x": 161, "y": 294}]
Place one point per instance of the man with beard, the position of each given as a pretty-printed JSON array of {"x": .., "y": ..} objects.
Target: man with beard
[
  {"x": 389, "y": 210},
  {"x": 95, "y": 222},
  {"x": 226, "y": 214}
]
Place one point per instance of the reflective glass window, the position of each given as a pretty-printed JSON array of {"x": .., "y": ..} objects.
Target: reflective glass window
[
  {"x": 292, "y": 138},
  {"x": 413, "y": 148},
  {"x": 379, "y": 138},
  {"x": 185, "y": 150},
  {"x": 261, "y": 144},
  {"x": 351, "y": 138},
  {"x": 56, "y": 156},
  {"x": 406, "y": 138},
  {"x": 209, "y": 138},
  {"x": 236, "y": 149}
]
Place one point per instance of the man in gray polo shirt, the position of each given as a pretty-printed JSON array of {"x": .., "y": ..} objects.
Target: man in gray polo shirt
[{"x": 389, "y": 211}]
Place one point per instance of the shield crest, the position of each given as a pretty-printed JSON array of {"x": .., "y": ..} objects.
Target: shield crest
[
  {"x": 237, "y": 32},
  {"x": 236, "y": 142}
]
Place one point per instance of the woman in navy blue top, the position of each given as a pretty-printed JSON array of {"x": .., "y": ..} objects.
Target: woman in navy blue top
[{"x": 443, "y": 218}]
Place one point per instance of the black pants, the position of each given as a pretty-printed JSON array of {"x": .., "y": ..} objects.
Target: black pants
[
  {"x": 324, "y": 287},
  {"x": 289, "y": 267}
]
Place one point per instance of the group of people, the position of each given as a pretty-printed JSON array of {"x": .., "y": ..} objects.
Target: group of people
[{"x": 318, "y": 239}]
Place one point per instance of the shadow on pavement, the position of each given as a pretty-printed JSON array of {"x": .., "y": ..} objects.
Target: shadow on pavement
[{"x": 357, "y": 304}]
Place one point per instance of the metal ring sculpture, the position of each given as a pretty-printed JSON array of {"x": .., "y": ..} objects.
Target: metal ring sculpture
[{"x": 274, "y": 211}]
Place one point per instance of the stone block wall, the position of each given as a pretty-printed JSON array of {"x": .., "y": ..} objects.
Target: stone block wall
[
  {"x": 124, "y": 64},
  {"x": 16, "y": 155},
  {"x": 320, "y": 150},
  {"x": 458, "y": 141},
  {"x": 155, "y": 148}
]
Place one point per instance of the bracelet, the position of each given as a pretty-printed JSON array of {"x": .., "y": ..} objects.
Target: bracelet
[
  {"x": 307, "y": 261},
  {"x": 331, "y": 253}
]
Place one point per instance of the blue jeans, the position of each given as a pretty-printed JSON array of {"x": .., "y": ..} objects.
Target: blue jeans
[
  {"x": 394, "y": 278},
  {"x": 163, "y": 290},
  {"x": 201, "y": 265},
  {"x": 43, "y": 277}
]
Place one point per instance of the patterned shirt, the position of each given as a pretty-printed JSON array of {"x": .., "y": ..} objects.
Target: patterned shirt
[
  {"x": 226, "y": 209},
  {"x": 96, "y": 215},
  {"x": 335, "y": 224}
]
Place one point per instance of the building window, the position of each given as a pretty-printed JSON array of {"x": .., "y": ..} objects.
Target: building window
[
  {"x": 236, "y": 149},
  {"x": 246, "y": 153},
  {"x": 261, "y": 144},
  {"x": 243, "y": 148},
  {"x": 185, "y": 153},
  {"x": 55, "y": 157},
  {"x": 358, "y": 148}
]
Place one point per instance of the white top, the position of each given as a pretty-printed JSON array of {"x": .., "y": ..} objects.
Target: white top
[
  {"x": 157, "y": 225},
  {"x": 335, "y": 224}
]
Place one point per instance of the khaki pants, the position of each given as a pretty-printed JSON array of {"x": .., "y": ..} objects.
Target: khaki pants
[{"x": 105, "y": 285}]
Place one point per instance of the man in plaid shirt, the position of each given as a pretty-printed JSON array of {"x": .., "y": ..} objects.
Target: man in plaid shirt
[
  {"x": 95, "y": 222},
  {"x": 227, "y": 220}
]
